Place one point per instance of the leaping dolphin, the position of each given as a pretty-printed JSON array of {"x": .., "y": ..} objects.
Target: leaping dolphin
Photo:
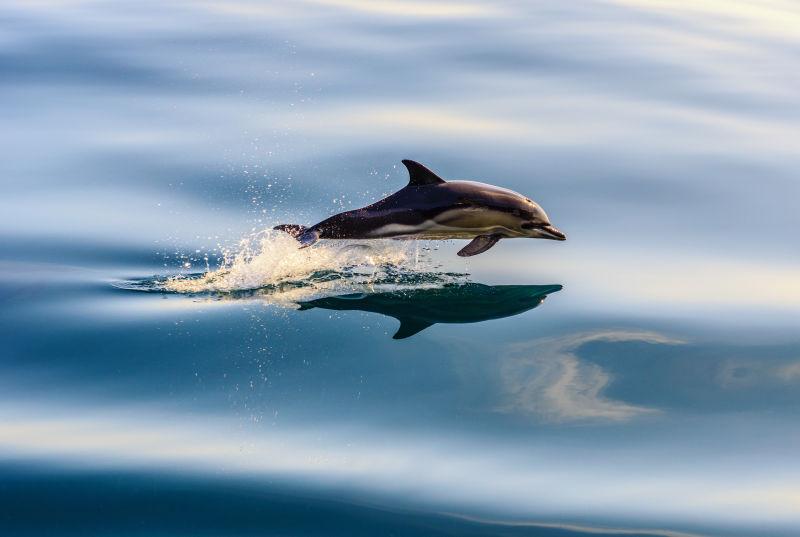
[{"x": 431, "y": 208}]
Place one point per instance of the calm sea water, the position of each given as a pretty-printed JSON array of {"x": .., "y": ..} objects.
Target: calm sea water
[{"x": 388, "y": 388}]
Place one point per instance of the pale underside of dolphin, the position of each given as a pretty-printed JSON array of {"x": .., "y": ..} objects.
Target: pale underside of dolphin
[{"x": 431, "y": 208}]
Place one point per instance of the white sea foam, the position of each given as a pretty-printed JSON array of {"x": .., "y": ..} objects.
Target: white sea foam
[{"x": 270, "y": 265}]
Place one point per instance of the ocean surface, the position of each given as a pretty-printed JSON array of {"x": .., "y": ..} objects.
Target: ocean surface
[{"x": 171, "y": 367}]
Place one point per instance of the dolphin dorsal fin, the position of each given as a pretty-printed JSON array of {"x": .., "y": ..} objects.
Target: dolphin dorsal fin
[{"x": 419, "y": 175}]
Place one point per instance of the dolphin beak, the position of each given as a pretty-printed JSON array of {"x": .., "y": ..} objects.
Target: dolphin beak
[{"x": 550, "y": 232}]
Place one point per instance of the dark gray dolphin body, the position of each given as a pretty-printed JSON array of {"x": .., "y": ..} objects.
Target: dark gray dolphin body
[
  {"x": 431, "y": 208},
  {"x": 417, "y": 309}
]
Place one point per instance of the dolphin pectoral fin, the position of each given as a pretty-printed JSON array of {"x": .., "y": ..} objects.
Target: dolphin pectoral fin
[
  {"x": 479, "y": 244},
  {"x": 419, "y": 175},
  {"x": 308, "y": 238},
  {"x": 409, "y": 327}
]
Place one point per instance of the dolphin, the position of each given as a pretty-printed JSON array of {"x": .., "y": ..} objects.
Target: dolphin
[
  {"x": 417, "y": 309},
  {"x": 431, "y": 208}
]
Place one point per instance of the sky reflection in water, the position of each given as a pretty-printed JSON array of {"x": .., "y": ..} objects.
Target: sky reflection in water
[{"x": 658, "y": 389}]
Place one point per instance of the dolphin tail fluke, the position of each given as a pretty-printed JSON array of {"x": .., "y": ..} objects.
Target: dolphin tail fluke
[
  {"x": 295, "y": 230},
  {"x": 409, "y": 327},
  {"x": 304, "y": 236}
]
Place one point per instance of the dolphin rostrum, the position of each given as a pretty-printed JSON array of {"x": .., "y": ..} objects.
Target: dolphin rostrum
[
  {"x": 431, "y": 208},
  {"x": 417, "y": 309}
]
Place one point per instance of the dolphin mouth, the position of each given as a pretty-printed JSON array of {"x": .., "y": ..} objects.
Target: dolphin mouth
[{"x": 550, "y": 232}]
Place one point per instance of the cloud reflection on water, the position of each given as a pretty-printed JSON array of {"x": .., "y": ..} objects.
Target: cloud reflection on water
[{"x": 546, "y": 378}]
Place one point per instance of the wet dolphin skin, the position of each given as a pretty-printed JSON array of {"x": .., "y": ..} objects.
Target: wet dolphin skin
[{"x": 431, "y": 208}]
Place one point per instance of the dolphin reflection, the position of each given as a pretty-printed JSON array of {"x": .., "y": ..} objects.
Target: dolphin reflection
[{"x": 417, "y": 309}]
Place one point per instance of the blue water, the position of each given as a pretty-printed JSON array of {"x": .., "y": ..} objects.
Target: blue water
[{"x": 170, "y": 368}]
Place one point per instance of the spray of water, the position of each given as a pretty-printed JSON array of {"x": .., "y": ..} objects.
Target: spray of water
[{"x": 269, "y": 265}]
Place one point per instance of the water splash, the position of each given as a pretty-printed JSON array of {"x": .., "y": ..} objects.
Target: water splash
[{"x": 269, "y": 265}]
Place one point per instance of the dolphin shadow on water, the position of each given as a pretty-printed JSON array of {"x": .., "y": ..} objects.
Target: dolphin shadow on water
[{"x": 417, "y": 309}]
